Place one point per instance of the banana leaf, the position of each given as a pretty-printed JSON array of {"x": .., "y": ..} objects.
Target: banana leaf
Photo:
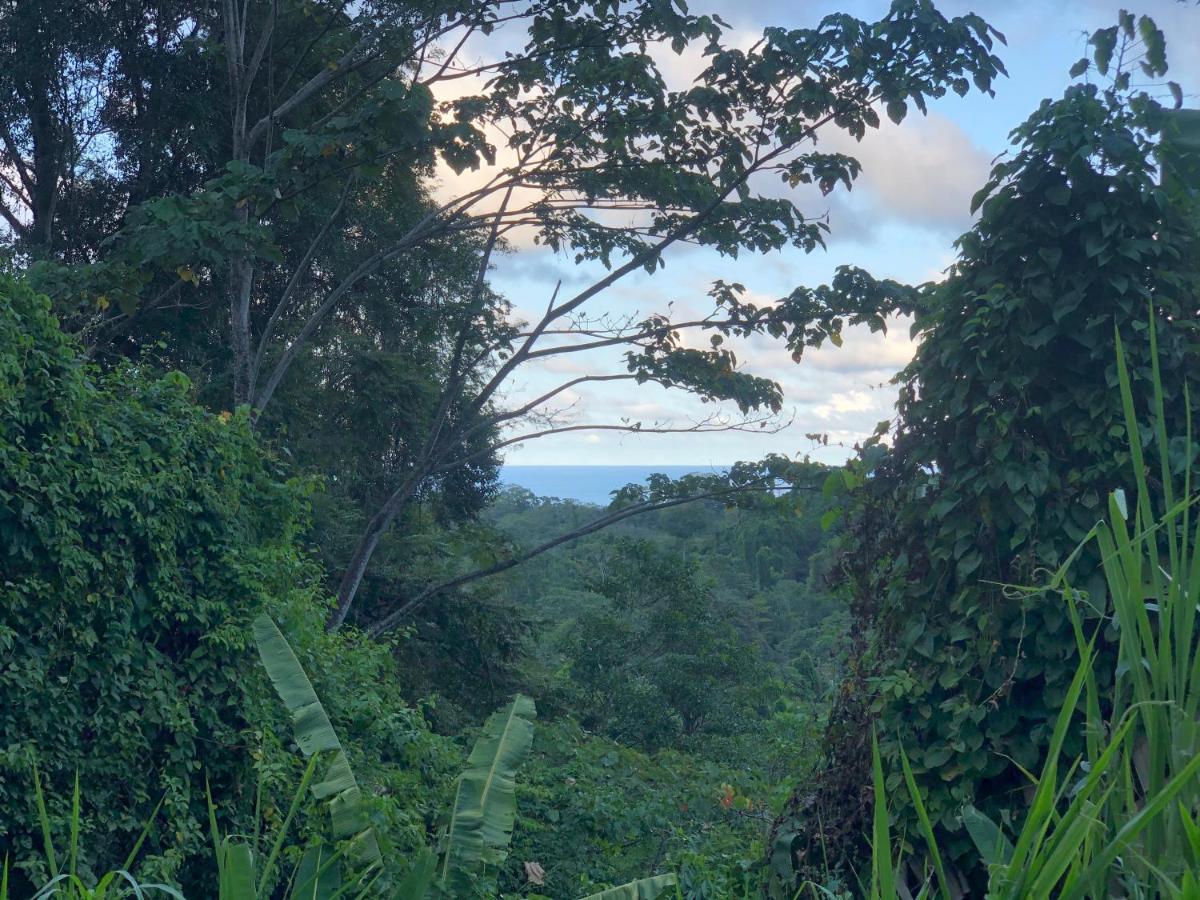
[
  {"x": 642, "y": 889},
  {"x": 485, "y": 806},
  {"x": 314, "y": 733},
  {"x": 237, "y": 871}
]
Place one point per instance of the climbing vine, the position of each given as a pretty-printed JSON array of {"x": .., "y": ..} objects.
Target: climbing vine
[{"x": 1008, "y": 437}]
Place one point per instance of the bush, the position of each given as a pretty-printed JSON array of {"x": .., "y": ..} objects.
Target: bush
[{"x": 139, "y": 537}]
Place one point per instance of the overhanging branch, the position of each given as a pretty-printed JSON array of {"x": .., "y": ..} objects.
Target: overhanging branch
[{"x": 394, "y": 618}]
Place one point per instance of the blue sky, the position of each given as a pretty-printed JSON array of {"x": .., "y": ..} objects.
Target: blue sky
[{"x": 899, "y": 222}]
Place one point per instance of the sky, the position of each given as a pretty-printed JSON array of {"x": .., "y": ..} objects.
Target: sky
[{"x": 900, "y": 221}]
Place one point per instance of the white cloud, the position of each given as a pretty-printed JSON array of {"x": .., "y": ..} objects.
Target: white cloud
[
  {"x": 848, "y": 402},
  {"x": 923, "y": 171}
]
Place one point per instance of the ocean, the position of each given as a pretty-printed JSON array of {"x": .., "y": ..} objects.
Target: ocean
[{"x": 587, "y": 484}]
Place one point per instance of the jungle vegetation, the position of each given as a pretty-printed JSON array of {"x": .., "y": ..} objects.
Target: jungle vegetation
[{"x": 271, "y": 626}]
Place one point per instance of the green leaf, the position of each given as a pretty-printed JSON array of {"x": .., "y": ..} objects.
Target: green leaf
[
  {"x": 989, "y": 840},
  {"x": 485, "y": 806},
  {"x": 642, "y": 889},
  {"x": 415, "y": 885},
  {"x": 314, "y": 733},
  {"x": 914, "y": 793},
  {"x": 318, "y": 877},
  {"x": 1105, "y": 42},
  {"x": 1052, "y": 256},
  {"x": 237, "y": 871},
  {"x": 883, "y": 878}
]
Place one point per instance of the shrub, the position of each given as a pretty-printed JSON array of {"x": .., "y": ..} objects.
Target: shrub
[{"x": 139, "y": 537}]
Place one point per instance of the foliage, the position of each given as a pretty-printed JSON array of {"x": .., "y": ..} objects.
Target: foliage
[
  {"x": 480, "y": 822},
  {"x": 1009, "y": 433},
  {"x": 52, "y": 393},
  {"x": 315, "y": 734},
  {"x": 658, "y": 662},
  {"x": 141, "y": 536},
  {"x": 593, "y": 812},
  {"x": 485, "y": 807},
  {"x": 1120, "y": 820},
  {"x": 474, "y": 842},
  {"x": 290, "y": 256},
  {"x": 642, "y": 889},
  {"x": 758, "y": 564},
  {"x": 292, "y": 259},
  {"x": 68, "y": 884}
]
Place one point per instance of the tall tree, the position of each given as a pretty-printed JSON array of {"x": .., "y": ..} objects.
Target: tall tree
[{"x": 334, "y": 107}]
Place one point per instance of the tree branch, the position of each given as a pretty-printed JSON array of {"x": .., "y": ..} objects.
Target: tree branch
[
  {"x": 293, "y": 283},
  {"x": 394, "y": 618},
  {"x": 348, "y": 62}
]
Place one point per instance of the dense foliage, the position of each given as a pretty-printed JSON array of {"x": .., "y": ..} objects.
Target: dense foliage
[
  {"x": 256, "y": 385},
  {"x": 1008, "y": 438},
  {"x": 141, "y": 536},
  {"x": 760, "y": 568},
  {"x": 129, "y": 603}
]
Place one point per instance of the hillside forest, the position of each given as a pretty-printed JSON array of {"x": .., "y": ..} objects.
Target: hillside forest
[{"x": 273, "y": 626}]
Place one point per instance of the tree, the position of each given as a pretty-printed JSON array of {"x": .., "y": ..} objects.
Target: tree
[
  {"x": 102, "y": 107},
  {"x": 333, "y": 108},
  {"x": 660, "y": 662},
  {"x": 1009, "y": 434}
]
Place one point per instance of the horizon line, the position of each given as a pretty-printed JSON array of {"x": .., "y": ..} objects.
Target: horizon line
[{"x": 615, "y": 465}]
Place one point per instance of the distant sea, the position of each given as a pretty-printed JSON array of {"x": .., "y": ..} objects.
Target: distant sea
[{"x": 587, "y": 484}]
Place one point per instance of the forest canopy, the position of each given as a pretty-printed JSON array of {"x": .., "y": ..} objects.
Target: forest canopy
[{"x": 273, "y": 622}]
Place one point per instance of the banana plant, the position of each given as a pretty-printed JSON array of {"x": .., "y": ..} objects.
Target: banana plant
[
  {"x": 315, "y": 734},
  {"x": 474, "y": 842},
  {"x": 485, "y": 805},
  {"x": 643, "y": 889},
  {"x": 320, "y": 872}
]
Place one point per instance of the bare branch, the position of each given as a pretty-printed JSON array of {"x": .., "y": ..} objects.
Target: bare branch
[
  {"x": 17, "y": 160},
  {"x": 294, "y": 281},
  {"x": 264, "y": 41},
  {"x": 17, "y": 189},
  {"x": 450, "y": 57},
  {"x": 19, "y": 228},
  {"x": 708, "y": 425},
  {"x": 551, "y": 394},
  {"x": 347, "y": 63}
]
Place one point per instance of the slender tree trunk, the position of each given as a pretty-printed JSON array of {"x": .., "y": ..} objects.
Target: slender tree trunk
[
  {"x": 241, "y": 269},
  {"x": 357, "y": 567},
  {"x": 47, "y": 152},
  {"x": 241, "y": 283}
]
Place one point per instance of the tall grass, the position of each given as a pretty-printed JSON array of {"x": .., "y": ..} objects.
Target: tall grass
[
  {"x": 67, "y": 884},
  {"x": 1122, "y": 820}
]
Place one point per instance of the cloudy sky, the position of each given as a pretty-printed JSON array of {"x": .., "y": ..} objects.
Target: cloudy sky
[{"x": 900, "y": 222}]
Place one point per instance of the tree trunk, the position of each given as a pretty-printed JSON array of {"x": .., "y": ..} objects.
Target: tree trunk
[
  {"x": 47, "y": 157},
  {"x": 241, "y": 282},
  {"x": 357, "y": 567}
]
